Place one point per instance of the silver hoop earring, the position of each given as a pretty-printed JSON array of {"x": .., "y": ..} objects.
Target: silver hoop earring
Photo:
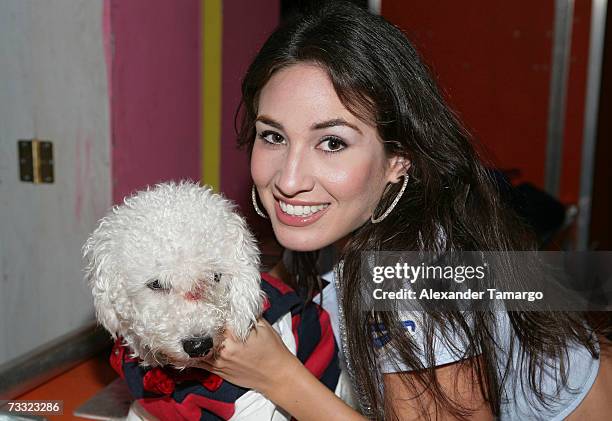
[
  {"x": 254, "y": 199},
  {"x": 397, "y": 198}
]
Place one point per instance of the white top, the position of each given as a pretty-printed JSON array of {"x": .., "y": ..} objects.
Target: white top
[{"x": 520, "y": 403}]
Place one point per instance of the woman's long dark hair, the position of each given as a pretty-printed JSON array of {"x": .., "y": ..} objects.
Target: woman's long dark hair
[{"x": 379, "y": 77}]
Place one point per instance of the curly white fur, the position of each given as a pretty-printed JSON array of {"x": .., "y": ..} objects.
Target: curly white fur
[{"x": 181, "y": 235}]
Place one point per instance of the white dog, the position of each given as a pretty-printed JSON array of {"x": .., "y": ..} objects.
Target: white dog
[{"x": 169, "y": 269}]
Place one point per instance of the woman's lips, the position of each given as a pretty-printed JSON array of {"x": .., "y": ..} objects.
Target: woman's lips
[{"x": 295, "y": 220}]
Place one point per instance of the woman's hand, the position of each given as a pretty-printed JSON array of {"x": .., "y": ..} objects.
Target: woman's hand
[
  {"x": 264, "y": 363},
  {"x": 260, "y": 363}
]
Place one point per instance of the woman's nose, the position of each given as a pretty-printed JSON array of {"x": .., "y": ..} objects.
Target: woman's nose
[{"x": 296, "y": 174}]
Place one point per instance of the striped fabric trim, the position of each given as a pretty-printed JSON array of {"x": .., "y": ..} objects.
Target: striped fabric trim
[
  {"x": 315, "y": 343},
  {"x": 195, "y": 394}
]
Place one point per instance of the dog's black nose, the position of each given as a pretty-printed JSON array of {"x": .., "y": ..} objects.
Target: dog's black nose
[{"x": 197, "y": 347}]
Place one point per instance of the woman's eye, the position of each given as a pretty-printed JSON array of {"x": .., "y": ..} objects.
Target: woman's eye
[
  {"x": 271, "y": 137},
  {"x": 334, "y": 144}
]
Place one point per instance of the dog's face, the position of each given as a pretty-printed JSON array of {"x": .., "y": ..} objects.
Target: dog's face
[{"x": 170, "y": 268}]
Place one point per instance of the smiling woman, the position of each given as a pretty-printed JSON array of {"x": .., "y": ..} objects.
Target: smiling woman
[
  {"x": 352, "y": 146},
  {"x": 336, "y": 165}
]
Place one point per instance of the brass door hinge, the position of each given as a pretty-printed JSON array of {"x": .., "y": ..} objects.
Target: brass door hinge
[{"x": 35, "y": 161}]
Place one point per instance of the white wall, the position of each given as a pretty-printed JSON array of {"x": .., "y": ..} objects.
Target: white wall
[{"x": 53, "y": 86}]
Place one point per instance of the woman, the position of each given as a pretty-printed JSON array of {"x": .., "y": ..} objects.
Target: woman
[{"x": 351, "y": 145}]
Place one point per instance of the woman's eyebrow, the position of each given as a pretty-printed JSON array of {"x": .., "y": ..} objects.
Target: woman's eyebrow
[
  {"x": 269, "y": 122},
  {"x": 317, "y": 126},
  {"x": 335, "y": 122}
]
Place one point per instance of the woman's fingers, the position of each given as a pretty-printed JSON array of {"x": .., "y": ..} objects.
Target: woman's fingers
[
  {"x": 262, "y": 322},
  {"x": 206, "y": 365},
  {"x": 226, "y": 347},
  {"x": 253, "y": 363}
]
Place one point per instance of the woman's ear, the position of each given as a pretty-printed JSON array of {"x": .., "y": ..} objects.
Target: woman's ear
[{"x": 398, "y": 166}]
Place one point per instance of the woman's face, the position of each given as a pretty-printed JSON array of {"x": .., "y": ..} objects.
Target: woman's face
[{"x": 318, "y": 169}]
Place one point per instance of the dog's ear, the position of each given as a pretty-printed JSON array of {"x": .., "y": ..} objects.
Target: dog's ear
[
  {"x": 246, "y": 296},
  {"x": 101, "y": 276}
]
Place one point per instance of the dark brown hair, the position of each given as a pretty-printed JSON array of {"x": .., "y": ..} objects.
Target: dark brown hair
[{"x": 380, "y": 78}]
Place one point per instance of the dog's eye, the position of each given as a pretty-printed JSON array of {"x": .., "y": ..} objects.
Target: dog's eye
[
  {"x": 217, "y": 277},
  {"x": 155, "y": 285}
]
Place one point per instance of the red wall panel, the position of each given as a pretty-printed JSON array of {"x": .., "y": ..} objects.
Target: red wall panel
[
  {"x": 155, "y": 77},
  {"x": 246, "y": 26},
  {"x": 493, "y": 62}
]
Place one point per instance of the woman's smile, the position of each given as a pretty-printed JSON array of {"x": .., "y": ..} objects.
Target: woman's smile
[{"x": 299, "y": 215}]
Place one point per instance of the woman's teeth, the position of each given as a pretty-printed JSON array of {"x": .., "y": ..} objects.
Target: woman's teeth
[{"x": 301, "y": 210}]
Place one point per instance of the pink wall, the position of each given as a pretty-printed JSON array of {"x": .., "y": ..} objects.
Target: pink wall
[
  {"x": 246, "y": 26},
  {"x": 155, "y": 72}
]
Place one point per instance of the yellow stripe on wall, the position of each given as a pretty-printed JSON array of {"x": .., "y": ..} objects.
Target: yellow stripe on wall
[{"x": 211, "y": 32}]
